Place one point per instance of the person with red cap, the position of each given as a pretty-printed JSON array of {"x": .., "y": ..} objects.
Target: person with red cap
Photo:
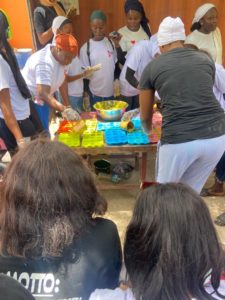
[{"x": 44, "y": 74}]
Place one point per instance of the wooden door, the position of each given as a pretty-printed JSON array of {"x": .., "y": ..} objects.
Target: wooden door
[{"x": 155, "y": 11}]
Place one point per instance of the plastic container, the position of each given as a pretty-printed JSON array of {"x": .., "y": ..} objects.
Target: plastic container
[
  {"x": 93, "y": 139},
  {"x": 115, "y": 137},
  {"x": 91, "y": 125},
  {"x": 76, "y": 127},
  {"x": 22, "y": 56},
  {"x": 65, "y": 126},
  {"x": 102, "y": 166},
  {"x": 70, "y": 139},
  {"x": 137, "y": 123},
  {"x": 107, "y": 125},
  {"x": 138, "y": 138}
]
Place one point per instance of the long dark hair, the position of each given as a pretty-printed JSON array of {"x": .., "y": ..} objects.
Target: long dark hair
[
  {"x": 9, "y": 56},
  {"x": 171, "y": 245},
  {"x": 48, "y": 198},
  {"x": 195, "y": 26},
  {"x": 137, "y": 5}
]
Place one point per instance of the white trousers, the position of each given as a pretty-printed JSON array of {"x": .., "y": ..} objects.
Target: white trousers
[{"x": 190, "y": 163}]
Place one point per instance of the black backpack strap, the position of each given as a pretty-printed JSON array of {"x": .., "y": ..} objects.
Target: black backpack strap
[
  {"x": 88, "y": 52},
  {"x": 111, "y": 44}
]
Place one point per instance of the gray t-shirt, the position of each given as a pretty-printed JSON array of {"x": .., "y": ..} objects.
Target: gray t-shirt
[
  {"x": 184, "y": 79},
  {"x": 43, "y": 18}
]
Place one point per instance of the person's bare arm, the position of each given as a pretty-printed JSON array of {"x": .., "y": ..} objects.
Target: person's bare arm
[
  {"x": 71, "y": 78},
  {"x": 45, "y": 37},
  {"x": 44, "y": 93},
  {"x": 64, "y": 93},
  {"x": 87, "y": 73},
  {"x": 146, "y": 100},
  {"x": 191, "y": 46},
  {"x": 8, "y": 114}
]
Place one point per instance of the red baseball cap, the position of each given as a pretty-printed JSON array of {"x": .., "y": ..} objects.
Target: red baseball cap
[{"x": 66, "y": 42}]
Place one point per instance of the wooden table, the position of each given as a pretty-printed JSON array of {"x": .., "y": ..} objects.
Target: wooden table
[{"x": 140, "y": 151}]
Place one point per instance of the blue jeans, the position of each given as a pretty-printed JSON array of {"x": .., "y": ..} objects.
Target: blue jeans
[
  {"x": 94, "y": 99},
  {"x": 220, "y": 169},
  {"x": 77, "y": 103}
]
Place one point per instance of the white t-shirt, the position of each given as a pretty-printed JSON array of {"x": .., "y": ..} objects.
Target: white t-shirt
[
  {"x": 219, "y": 85},
  {"x": 101, "y": 52},
  {"x": 107, "y": 294},
  {"x": 204, "y": 42},
  {"x": 42, "y": 68},
  {"x": 137, "y": 59},
  {"x": 119, "y": 294},
  {"x": 76, "y": 87},
  {"x": 130, "y": 38},
  {"x": 20, "y": 106}
]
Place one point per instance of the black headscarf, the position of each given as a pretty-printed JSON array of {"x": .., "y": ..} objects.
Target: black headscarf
[
  {"x": 10, "y": 57},
  {"x": 136, "y": 5}
]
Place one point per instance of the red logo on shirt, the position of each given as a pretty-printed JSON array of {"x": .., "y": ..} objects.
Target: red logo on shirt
[
  {"x": 133, "y": 42},
  {"x": 110, "y": 53}
]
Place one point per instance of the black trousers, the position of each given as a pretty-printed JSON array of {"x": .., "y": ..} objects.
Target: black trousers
[{"x": 27, "y": 128}]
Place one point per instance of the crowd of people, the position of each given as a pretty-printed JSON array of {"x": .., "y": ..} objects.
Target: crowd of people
[
  {"x": 54, "y": 239},
  {"x": 56, "y": 243}
]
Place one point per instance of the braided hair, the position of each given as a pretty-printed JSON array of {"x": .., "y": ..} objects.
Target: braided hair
[{"x": 9, "y": 56}]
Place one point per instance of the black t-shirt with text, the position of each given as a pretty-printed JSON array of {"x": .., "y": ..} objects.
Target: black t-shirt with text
[{"x": 94, "y": 261}]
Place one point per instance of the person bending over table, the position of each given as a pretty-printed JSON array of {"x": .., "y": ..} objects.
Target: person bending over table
[
  {"x": 193, "y": 129},
  {"x": 74, "y": 73},
  {"x": 44, "y": 73}
]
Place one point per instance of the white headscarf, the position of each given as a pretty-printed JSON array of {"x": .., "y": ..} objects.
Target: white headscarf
[
  {"x": 201, "y": 11},
  {"x": 170, "y": 30},
  {"x": 57, "y": 22}
]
